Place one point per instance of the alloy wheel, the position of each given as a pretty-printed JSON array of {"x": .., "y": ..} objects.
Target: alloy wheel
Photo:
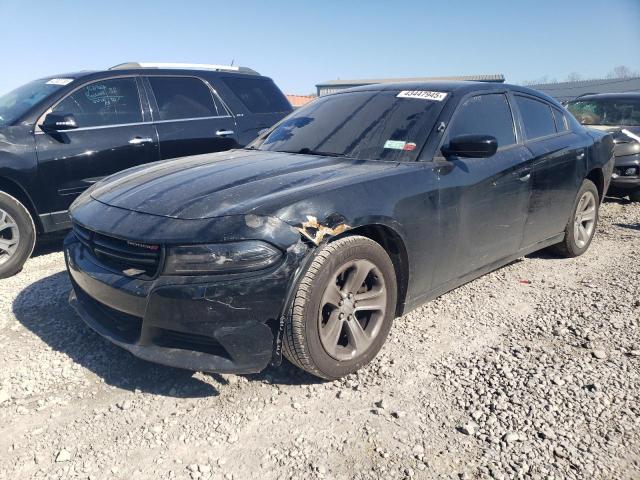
[
  {"x": 9, "y": 236},
  {"x": 585, "y": 219},
  {"x": 352, "y": 309}
]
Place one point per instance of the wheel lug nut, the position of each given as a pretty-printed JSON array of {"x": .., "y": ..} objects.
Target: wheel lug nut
[{"x": 341, "y": 316}]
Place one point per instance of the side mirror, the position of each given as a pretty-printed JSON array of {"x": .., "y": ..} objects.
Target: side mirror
[
  {"x": 472, "y": 146},
  {"x": 55, "y": 122}
]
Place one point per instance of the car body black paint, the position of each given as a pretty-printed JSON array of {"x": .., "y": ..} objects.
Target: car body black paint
[
  {"x": 52, "y": 169},
  {"x": 456, "y": 217}
]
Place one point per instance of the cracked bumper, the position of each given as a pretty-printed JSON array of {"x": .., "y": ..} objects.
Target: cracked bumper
[{"x": 226, "y": 324}]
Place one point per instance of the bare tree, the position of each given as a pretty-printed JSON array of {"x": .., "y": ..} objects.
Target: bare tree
[
  {"x": 622, "y": 71},
  {"x": 574, "y": 77}
]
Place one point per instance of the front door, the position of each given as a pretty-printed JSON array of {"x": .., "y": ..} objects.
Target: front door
[
  {"x": 111, "y": 136},
  {"x": 190, "y": 120},
  {"x": 483, "y": 201}
]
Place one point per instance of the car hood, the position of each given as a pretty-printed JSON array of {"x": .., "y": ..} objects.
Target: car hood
[{"x": 229, "y": 183}]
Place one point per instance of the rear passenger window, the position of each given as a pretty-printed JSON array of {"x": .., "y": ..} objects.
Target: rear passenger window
[
  {"x": 183, "y": 97},
  {"x": 536, "y": 116},
  {"x": 561, "y": 121},
  {"x": 259, "y": 95},
  {"x": 103, "y": 103},
  {"x": 484, "y": 115}
]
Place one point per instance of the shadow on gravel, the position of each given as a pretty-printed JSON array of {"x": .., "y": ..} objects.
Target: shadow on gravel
[
  {"x": 628, "y": 225},
  {"x": 42, "y": 308},
  {"x": 49, "y": 243}
]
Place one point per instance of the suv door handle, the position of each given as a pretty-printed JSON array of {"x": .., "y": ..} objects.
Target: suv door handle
[
  {"x": 580, "y": 154},
  {"x": 224, "y": 133},
  {"x": 140, "y": 140},
  {"x": 523, "y": 175}
]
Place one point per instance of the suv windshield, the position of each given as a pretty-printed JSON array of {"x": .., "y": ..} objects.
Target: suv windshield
[
  {"x": 15, "y": 103},
  {"x": 375, "y": 125},
  {"x": 607, "y": 111}
]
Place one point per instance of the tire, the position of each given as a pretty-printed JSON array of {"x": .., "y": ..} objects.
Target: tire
[
  {"x": 577, "y": 241},
  {"x": 15, "y": 223},
  {"x": 634, "y": 196},
  {"x": 322, "y": 296}
]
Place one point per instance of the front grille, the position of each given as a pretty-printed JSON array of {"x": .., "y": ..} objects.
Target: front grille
[{"x": 134, "y": 259}]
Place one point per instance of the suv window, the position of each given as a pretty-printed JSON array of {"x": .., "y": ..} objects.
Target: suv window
[
  {"x": 106, "y": 102},
  {"x": 183, "y": 97},
  {"x": 561, "y": 121},
  {"x": 536, "y": 116},
  {"x": 484, "y": 115},
  {"x": 259, "y": 95}
]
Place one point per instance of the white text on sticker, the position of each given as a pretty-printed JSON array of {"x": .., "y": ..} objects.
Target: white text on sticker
[
  {"x": 60, "y": 81},
  {"x": 423, "y": 95}
]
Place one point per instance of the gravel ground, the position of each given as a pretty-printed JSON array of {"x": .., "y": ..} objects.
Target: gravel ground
[{"x": 531, "y": 371}]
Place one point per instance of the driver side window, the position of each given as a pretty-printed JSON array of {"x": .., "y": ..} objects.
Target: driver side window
[
  {"x": 107, "y": 102},
  {"x": 484, "y": 115}
]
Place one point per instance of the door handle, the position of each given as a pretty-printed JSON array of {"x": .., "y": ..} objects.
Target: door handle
[
  {"x": 140, "y": 140},
  {"x": 580, "y": 155},
  {"x": 525, "y": 177},
  {"x": 224, "y": 133}
]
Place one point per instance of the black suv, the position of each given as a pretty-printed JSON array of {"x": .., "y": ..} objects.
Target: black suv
[
  {"x": 619, "y": 114},
  {"x": 61, "y": 134}
]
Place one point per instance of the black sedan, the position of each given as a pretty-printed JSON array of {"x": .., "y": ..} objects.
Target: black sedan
[{"x": 350, "y": 212}]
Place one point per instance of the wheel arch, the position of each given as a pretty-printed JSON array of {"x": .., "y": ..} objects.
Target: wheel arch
[
  {"x": 597, "y": 177},
  {"x": 395, "y": 247},
  {"x": 14, "y": 189}
]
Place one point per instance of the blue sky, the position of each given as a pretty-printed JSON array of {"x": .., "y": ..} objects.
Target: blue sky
[{"x": 301, "y": 43}]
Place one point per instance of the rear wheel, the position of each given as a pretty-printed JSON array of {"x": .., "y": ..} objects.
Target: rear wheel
[
  {"x": 343, "y": 309},
  {"x": 583, "y": 222},
  {"x": 17, "y": 235}
]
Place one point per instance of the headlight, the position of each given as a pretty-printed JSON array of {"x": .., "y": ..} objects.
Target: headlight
[{"x": 232, "y": 257}]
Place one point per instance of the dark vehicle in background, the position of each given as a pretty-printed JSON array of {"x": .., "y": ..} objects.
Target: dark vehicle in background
[
  {"x": 619, "y": 114},
  {"x": 59, "y": 135},
  {"x": 353, "y": 210}
]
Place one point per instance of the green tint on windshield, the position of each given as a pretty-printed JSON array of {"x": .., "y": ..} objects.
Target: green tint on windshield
[
  {"x": 375, "y": 125},
  {"x": 17, "y": 102},
  {"x": 606, "y": 111}
]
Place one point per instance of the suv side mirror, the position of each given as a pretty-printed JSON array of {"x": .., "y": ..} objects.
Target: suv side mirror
[
  {"x": 472, "y": 146},
  {"x": 55, "y": 122}
]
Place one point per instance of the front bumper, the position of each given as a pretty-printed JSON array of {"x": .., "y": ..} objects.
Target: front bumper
[
  {"x": 620, "y": 182},
  {"x": 226, "y": 323}
]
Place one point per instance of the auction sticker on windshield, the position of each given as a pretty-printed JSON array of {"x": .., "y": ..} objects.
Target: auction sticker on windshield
[
  {"x": 423, "y": 95},
  {"x": 60, "y": 81}
]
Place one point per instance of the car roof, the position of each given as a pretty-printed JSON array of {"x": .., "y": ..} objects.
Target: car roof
[
  {"x": 459, "y": 87},
  {"x": 611, "y": 96}
]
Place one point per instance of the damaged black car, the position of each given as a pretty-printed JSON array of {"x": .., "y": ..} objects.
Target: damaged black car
[{"x": 350, "y": 212}]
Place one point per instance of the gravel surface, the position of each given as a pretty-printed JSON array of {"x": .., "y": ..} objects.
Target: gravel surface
[{"x": 532, "y": 371}]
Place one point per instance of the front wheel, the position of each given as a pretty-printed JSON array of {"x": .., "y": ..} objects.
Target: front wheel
[
  {"x": 583, "y": 222},
  {"x": 17, "y": 235},
  {"x": 343, "y": 308}
]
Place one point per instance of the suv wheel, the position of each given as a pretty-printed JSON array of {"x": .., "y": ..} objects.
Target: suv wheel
[
  {"x": 17, "y": 235},
  {"x": 343, "y": 309},
  {"x": 583, "y": 222}
]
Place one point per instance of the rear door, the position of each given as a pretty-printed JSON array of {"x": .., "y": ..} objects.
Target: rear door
[
  {"x": 483, "y": 201},
  {"x": 189, "y": 117},
  {"x": 256, "y": 101},
  {"x": 112, "y": 135},
  {"x": 556, "y": 154}
]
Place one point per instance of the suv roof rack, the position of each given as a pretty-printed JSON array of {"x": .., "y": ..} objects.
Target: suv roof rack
[{"x": 194, "y": 66}]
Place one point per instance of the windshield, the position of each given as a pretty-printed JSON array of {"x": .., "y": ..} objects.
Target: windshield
[
  {"x": 607, "y": 111},
  {"x": 15, "y": 103},
  {"x": 375, "y": 125}
]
